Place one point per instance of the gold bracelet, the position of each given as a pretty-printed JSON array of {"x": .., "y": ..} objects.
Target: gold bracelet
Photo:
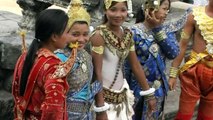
[
  {"x": 161, "y": 35},
  {"x": 173, "y": 72}
]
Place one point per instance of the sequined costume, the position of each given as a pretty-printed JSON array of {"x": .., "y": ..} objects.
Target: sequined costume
[
  {"x": 200, "y": 2},
  {"x": 82, "y": 89},
  {"x": 152, "y": 55},
  {"x": 115, "y": 51},
  {"x": 196, "y": 74},
  {"x": 44, "y": 98}
]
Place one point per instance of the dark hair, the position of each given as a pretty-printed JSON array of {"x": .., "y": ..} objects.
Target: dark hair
[
  {"x": 105, "y": 17},
  {"x": 48, "y": 22},
  {"x": 140, "y": 15}
]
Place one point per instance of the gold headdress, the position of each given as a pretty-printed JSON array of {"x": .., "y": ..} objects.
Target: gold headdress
[
  {"x": 77, "y": 12},
  {"x": 129, "y": 5},
  {"x": 154, "y": 4},
  {"x": 109, "y": 2}
]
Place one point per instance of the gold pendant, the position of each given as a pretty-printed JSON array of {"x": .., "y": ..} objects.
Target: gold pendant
[{"x": 84, "y": 67}]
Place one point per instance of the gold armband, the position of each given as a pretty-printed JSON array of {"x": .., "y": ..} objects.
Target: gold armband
[
  {"x": 98, "y": 50},
  {"x": 173, "y": 72},
  {"x": 184, "y": 35},
  {"x": 161, "y": 35}
]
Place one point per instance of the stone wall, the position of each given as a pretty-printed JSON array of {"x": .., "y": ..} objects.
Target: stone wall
[
  {"x": 31, "y": 8},
  {"x": 10, "y": 49}
]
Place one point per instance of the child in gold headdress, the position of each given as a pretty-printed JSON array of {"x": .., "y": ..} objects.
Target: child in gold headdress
[
  {"x": 82, "y": 89},
  {"x": 111, "y": 44}
]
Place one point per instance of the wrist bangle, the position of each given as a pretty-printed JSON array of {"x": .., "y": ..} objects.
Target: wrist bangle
[
  {"x": 149, "y": 97},
  {"x": 147, "y": 92},
  {"x": 161, "y": 35},
  {"x": 173, "y": 72},
  {"x": 102, "y": 108}
]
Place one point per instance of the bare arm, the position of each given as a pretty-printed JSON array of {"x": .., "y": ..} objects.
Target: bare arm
[
  {"x": 97, "y": 41},
  {"x": 138, "y": 70},
  {"x": 188, "y": 30},
  {"x": 140, "y": 76}
]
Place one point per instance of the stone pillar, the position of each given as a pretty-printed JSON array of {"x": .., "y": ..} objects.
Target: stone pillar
[{"x": 31, "y": 8}]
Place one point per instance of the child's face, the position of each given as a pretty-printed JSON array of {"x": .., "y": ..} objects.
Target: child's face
[
  {"x": 80, "y": 33},
  {"x": 117, "y": 13},
  {"x": 163, "y": 11}
]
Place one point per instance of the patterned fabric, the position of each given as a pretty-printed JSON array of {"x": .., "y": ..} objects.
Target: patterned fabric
[
  {"x": 200, "y": 2},
  {"x": 174, "y": 26},
  {"x": 205, "y": 24},
  {"x": 82, "y": 90},
  {"x": 115, "y": 51},
  {"x": 124, "y": 109},
  {"x": 196, "y": 74},
  {"x": 47, "y": 100},
  {"x": 118, "y": 46},
  {"x": 196, "y": 84},
  {"x": 152, "y": 55}
]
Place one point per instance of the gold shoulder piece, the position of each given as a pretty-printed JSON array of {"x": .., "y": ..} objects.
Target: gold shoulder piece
[
  {"x": 65, "y": 67},
  {"x": 204, "y": 22}
]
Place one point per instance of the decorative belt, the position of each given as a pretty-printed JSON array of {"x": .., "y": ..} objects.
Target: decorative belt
[
  {"x": 208, "y": 63},
  {"x": 113, "y": 97},
  {"x": 80, "y": 107}
]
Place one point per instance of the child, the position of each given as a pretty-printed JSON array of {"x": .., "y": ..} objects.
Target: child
[
  {"x": 153, "y": 45},
  {"x": 111, "y": 45},
  {"x": 82, "y": 89}
]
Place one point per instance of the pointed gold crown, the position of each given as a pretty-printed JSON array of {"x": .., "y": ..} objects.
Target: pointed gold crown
[
  {"x": 109, "y": 2},
  {"x": 77, "y": 12}
]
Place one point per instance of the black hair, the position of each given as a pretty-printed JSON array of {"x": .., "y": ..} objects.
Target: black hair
[
  {"x": 105, "y": 17},
  {"x": 48, "y": 22},
  {"x": 140, "y": 15}
]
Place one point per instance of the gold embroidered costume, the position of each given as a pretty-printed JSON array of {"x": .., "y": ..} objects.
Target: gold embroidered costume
[
  {"x": 118, "y": 46},
  {"x": 205, "y": 24}
]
